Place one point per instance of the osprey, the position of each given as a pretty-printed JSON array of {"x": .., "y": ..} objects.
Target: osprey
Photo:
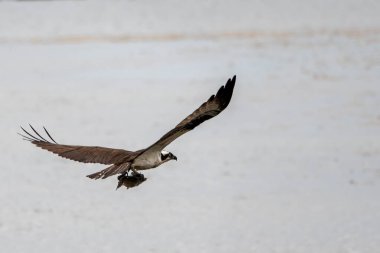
[{"x": 123, "y": 161}]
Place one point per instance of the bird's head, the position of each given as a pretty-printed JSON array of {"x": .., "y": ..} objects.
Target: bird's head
[{"x": 167, "y": 156}]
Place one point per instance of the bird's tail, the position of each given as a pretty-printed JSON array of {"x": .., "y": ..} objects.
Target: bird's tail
[
  {"x": 110, "y": 171},
  {"x": 102, "y": 174}
]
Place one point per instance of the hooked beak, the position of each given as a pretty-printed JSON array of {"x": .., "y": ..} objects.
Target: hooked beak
[{"x": 174, "y": 157}]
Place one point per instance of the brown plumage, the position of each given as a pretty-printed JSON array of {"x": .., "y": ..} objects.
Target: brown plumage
[{"x": 121, "y": 160}]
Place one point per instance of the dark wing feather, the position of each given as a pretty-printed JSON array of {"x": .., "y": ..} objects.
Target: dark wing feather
[
  {"x": 84, "y": 154},
  {"x": 209, "y": 109},
  {"x": 110, "y": 171}
]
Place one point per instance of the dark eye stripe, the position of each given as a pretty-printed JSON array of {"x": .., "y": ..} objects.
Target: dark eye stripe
[{"x": 163, "y": 157}]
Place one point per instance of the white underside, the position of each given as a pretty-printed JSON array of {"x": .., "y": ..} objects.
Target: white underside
[{"x": 147, "y": 161}]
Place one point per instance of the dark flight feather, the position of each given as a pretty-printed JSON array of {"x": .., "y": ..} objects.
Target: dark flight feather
[{"x": 209, "y": 109}]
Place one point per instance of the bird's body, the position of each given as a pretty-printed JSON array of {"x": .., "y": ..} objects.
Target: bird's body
[
  {"x": 148, "y": 161},
  {"x": 122, "y": 161},
  {"x": 151, "y": 160}
]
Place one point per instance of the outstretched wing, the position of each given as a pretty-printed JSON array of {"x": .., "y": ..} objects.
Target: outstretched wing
[
  {"x": 209, "y": 109},
  {"x": 84, "y": 154}
]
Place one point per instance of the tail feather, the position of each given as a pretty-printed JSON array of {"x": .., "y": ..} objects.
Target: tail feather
[
  {"x": 101, "y": 174},
  {"x": 110, "y": 171}
]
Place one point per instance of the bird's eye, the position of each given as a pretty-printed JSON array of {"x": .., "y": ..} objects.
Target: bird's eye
[{"x": 163, "y": 157}]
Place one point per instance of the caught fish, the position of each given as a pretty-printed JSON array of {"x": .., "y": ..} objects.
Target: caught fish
[{"x": 131, "y": 181}]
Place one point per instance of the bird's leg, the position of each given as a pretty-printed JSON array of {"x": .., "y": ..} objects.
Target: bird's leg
[{"x": 135, "y": 174}]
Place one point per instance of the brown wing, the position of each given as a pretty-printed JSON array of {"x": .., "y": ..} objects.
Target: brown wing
[
  {"x": 82, "y": 154},
  {"x": 209, "y": 109}
]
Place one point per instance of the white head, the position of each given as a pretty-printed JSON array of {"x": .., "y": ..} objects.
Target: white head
[{"x": 167, "y": 156}]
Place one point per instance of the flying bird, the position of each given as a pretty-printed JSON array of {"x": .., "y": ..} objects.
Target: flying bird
[{"x": 126, "y": 163}]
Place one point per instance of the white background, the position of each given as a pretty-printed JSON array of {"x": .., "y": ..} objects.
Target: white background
[{"x": 292, "y": 165}]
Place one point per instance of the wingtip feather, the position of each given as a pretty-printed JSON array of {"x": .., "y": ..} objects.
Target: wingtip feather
[{"x": 33, "y": 138}]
